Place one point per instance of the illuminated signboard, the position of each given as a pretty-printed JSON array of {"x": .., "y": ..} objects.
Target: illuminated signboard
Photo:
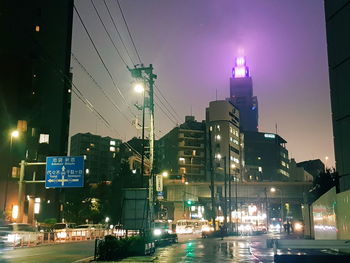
[{"x": 269, "y": 135}]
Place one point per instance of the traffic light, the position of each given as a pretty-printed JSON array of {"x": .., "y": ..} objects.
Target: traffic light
[{"x": 189, "y": 202}]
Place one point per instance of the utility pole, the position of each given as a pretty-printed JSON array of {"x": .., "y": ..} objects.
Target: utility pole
[
  {"x": 145, "y": 74},
  {"x": 267, "y": 210},
  {"x": 143, "y": 142},
  {"x": 21, "y": 185},
  {"x": 212, "y": 194}
]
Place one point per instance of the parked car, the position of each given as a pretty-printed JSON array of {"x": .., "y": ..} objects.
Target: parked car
[
  {"x": 19, "y": 234},
  {"x": 63, "y": 231}
]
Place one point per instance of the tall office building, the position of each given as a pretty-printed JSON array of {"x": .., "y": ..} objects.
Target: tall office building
[
  {"x": 35, "y": 91},
  {"x": 223, "y": 122},
  {"x": 338, "y": 40},
  {"x": 241, "y": 95}
]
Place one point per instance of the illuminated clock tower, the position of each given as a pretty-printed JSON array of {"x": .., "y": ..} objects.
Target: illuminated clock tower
[{"x": 241, "y": 95}]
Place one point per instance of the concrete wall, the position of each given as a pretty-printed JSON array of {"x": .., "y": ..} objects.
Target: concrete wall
[
  {"x": 331, "y": 215},
  {"x": 323, "y": 210},
  {"x": 343, "y": 215}
]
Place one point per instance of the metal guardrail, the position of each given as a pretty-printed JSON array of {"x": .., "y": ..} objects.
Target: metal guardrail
[{"x": 23, "y": 239}]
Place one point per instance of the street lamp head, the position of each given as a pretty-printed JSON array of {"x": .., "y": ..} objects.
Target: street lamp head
[
  {"x": 139, "y": 87},
  {"x": 272, "y": 189},
  {"x": 165, "y": 174},
  {"x": 14, "y": 134}
]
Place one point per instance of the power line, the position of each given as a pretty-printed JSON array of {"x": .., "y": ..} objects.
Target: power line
[
  {"x": 172, "y": 120},
  {"x": 138, "y": 55},
  {"x": 64, "y": 78},
  {"x": 99, "y": 86},
  {"x": 127, "y": 27},
  {"x": 119, "y": 35},
  {"x": 99, "y": 55},
  {"x": 109, "y": 36},
  {"x": 160, "y": 92}
]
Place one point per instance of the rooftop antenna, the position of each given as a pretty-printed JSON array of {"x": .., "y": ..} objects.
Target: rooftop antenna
[{"x": 276, "y": 127}]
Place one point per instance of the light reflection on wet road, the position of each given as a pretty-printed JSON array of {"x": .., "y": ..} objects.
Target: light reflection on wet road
[{"x": 231, "y": 249}]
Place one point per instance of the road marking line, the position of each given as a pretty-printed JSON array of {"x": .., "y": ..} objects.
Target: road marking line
[{"x": 83, "y": 259}]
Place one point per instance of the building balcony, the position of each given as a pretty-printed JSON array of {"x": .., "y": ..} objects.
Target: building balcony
[{"x": 196, "y": 146}]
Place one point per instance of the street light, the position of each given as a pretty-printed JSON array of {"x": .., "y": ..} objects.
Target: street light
[
  {"x": 274, "y": 190},
  {"x": 139, "y": 87},
  {"x": 165, "y": 174},
  {"x": 13, "y": 134}
]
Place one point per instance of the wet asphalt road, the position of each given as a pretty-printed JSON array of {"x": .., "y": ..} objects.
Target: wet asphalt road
[
  {"x": 191, "y": 248},
  {"x": 231, "y": 249},
  {"x": 59, "y": 253}
]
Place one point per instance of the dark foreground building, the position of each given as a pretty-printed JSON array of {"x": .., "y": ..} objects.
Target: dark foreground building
[
  {"x": 100, "y": 155},
  {"x": 35, "y": 90},
  {"x": 338, "y": 40}
]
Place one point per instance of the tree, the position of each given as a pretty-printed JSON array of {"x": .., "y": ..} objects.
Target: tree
[{"x": 323, "y": 183}]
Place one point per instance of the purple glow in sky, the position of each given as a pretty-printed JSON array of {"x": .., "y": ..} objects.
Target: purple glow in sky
[
  {"x": 192, "y": 45},
  {"x": 240, "y": 70}
]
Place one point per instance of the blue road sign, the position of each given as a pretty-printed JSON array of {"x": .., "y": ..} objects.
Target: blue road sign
[{"x": 64, "y": 171}]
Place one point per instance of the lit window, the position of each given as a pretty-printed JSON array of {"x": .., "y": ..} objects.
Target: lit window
[
  {"x": 236, "y": 142},
  {"x": 87, "y": 171},
  {"x": 85, "y": 157},
  {"x": 260, "y": 169},
  {"x": 37, "y": 28},
  {"x": 87, "y": 149},
  {"x": 218, "y": 137},
  {"x": 194, "y": 153},
  {"x": 92, "y": 145},
  {"x": 44, "y": 138},
  {"x": 269, "y": 135},
  {"x": 218, "y": 156},
  {"x": 211, "y": 128},
  {"x": 112, "y": 143},
  {"x": 218, "y": 127},
  {"x": 235, "y": 160},
  {"x": 182, "y": 160},
  {"x": 231, "y": 139},
  {"x": 231, "y": 130},
  {"x": 112, "y": 149},
  {"x": 69, "y": 90}
]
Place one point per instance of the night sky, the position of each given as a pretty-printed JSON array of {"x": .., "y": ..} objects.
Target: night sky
[{"x": 192, "y": 45}]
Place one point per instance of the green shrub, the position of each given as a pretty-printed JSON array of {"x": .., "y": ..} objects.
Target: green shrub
[{"x": 112, "y": 248}]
